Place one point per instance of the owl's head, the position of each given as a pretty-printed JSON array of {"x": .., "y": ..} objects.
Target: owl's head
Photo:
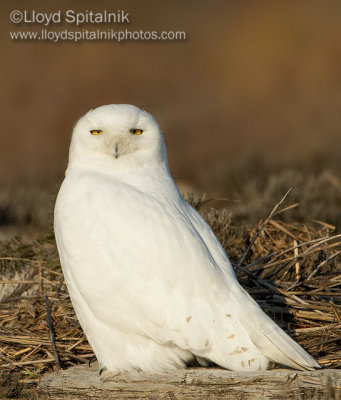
[{"x": 117, "y": 136}]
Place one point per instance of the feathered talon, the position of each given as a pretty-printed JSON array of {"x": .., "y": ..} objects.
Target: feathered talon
[
  {"x": 106, "y": 375},
  {"x": 91, "y": 359}
]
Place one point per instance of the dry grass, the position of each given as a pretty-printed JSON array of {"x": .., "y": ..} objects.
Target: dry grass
[
  {"x": 253, "y": 186},
  {"x": 292, "y": 270}
]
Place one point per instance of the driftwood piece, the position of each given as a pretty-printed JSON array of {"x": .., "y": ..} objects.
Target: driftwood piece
[{"x": 82, "y": 382}]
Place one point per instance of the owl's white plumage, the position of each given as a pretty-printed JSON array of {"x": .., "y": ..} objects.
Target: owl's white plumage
[{"x": 150, "y": 283}]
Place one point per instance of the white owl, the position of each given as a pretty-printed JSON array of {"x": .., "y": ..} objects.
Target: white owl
[{"x": 150, "y": 283}]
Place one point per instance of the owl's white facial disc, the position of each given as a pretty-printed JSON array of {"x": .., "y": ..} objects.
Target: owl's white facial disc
[{"x": 121, "y": 135}]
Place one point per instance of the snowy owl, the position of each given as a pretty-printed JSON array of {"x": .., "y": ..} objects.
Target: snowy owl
[{"x": 150, "y": 283}]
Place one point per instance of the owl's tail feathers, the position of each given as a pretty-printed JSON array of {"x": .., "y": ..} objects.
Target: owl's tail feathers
[{"x": 278, "y": 347}]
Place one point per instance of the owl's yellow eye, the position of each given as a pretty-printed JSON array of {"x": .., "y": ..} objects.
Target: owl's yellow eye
[
  {"x": 96, "y": 132},
  {"x": 136, "y": 131}
]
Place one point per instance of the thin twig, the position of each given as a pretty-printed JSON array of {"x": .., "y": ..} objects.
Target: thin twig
[
  {"x": 259, "y": 260},
  {"x": 75, "y": 344},
  {"x": 297, "y": 264},
  {"x": 314, "y": 330},
  {"x": 19, "y": 364},
  {"x": 319, "y": 343},
  {"x": 273, "y": 211},
  {"x": 18, "y": 282},
  {"x": 21, "y": 259},
  {"x": 322, "y": 264},
  {"x": 51, "y": 331},
  {"x": 316, "y": 242}
]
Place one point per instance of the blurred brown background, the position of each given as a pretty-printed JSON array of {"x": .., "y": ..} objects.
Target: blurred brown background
[{"x": 249, "y": 104}]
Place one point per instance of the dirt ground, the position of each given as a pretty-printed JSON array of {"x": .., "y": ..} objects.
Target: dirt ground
[{"x": 14, "y": 386}]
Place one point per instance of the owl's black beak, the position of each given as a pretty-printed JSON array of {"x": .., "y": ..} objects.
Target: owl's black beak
[{"x": 116, "y": 153}]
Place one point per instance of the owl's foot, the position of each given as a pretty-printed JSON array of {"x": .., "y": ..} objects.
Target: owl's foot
[{"x": 106, "y": 375}]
